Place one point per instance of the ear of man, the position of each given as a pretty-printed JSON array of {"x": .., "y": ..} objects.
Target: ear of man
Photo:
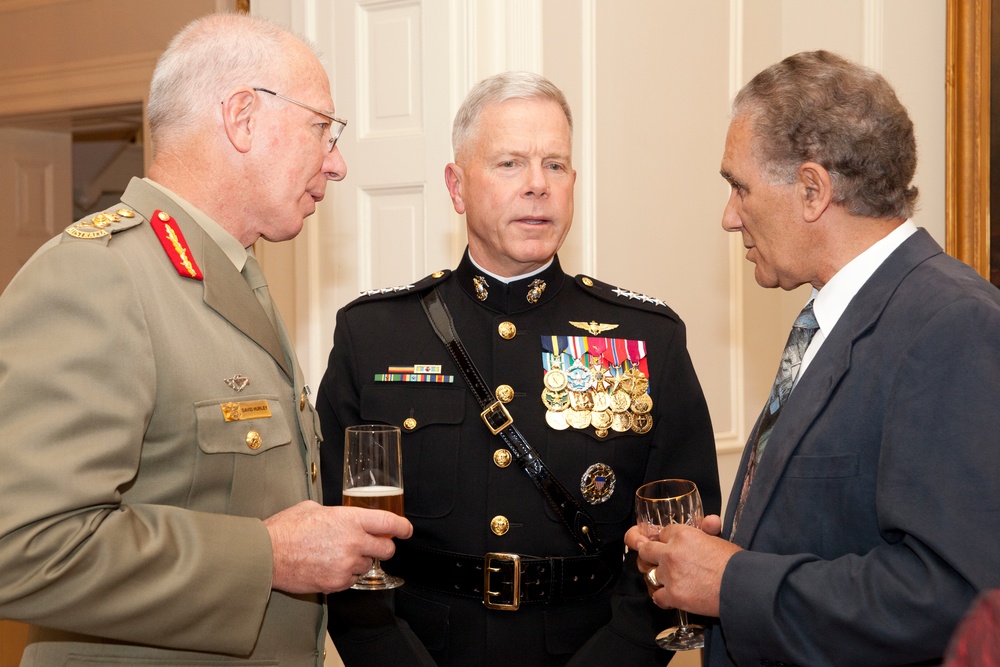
[
  {"x": 238, "y": 109},
  {"x": 815, "y": 189},
  {"x": 453, "y": 179}
]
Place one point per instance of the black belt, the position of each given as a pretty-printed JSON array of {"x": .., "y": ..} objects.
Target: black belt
[
  {"x": 499, "y": 422},
  {"x": 505, "y": 580}
]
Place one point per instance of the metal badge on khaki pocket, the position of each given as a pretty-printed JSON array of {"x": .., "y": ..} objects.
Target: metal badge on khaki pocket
[
  {"x": 253, "y": 440},
  {"x": 239, "y": 411}
]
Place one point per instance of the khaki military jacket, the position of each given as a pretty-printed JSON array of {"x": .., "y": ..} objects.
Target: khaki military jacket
[{"x": 152, "y": 416}]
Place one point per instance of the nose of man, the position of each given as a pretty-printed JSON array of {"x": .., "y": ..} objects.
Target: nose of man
[
  {"x": 731, "y": 221},
  {"x": 536, "y": 181},
  {"x": 334, "y": 166}
]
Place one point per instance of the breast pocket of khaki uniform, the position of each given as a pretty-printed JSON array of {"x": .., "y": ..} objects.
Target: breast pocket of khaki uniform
[
  {"x": 430, "y": 417},
  {"x": 245, "y": 443}
]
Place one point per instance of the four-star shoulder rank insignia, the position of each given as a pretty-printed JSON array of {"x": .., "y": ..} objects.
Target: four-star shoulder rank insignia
[{"x": 629, "y": 294}]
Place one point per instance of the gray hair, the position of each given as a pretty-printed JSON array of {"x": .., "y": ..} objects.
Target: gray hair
[
  {"x": 500, "y": 88},
  {"x": 819, "y": 107},
  {"x": 208, "y": 57}
]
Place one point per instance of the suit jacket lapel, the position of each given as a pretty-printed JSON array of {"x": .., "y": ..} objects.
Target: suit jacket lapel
[
  {"x": 825, "y": 371},
  {"x": 226, "y": 292}
]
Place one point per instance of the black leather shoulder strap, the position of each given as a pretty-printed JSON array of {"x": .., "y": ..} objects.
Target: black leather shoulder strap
[{"x": 498, "y": 420}]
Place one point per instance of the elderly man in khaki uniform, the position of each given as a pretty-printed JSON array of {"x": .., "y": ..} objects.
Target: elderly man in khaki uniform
[{"x": 161, "y": 499}]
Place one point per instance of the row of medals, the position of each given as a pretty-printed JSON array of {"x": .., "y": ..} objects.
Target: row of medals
[{"x": 573, "y": 399}]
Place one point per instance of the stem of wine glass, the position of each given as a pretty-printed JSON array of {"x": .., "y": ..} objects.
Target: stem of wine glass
[{"x": 683, "y": 618}]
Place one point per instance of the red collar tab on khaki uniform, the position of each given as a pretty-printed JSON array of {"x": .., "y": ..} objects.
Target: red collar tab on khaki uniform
[{"x": 169, "y": 233}]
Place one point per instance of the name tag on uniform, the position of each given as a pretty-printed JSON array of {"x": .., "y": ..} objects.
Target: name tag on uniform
[{"x": 235, "y": 412}]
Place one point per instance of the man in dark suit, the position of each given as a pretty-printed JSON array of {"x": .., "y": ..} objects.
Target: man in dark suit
[
  {"x": 597, "y": 379},
  {"x": 159, "y": 466},
  {"x": 862, "y": 514}
]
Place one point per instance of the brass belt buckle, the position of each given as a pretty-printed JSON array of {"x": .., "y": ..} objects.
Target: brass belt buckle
[
  {"x": 496, "y": 562},
  {"x": 497, "y": 411}
]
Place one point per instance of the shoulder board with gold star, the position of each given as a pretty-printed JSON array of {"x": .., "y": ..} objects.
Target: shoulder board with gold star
[
  {"x": 624, "y": 297},
  {"x": 102, "y": 225},
  {"x": 417, "y": 287}
]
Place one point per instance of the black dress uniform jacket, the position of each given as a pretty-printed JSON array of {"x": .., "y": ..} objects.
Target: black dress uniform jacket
[{"x": 455, "y": 487}]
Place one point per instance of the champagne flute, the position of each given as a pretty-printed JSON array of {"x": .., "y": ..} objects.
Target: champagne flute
[
  {"x": 659, "y": 504},
  {"x": 373, "y": 479}
]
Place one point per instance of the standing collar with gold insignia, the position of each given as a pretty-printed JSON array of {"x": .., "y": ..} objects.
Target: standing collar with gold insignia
[{"x": 513, "y": 297}]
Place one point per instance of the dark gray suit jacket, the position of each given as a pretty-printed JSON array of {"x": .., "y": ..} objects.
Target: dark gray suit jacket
[{"x": 870, "y": 525}]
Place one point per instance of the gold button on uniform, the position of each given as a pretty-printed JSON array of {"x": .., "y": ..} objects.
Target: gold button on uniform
[
  {"x": 315, "y": 472},
  {"x": 302, "y": 401},
  {"x": 504, "y": 393},
  {"x": 253, "y": 440},
  {"x": 502, "y": 458},
  {"x": 437, "y": 274},
  {"x": 409, "y": 423},
  {"x": 587, "y": 281},
  {"x": 499, "y": 525},
  {"x": 507, "y": 330}
]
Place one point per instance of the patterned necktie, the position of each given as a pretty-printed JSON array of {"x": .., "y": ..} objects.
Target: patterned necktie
[
  {"x": 798, "y": 340},
  {"x": 255, "y": 278}
]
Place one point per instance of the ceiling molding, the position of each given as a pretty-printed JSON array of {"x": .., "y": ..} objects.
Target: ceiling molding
[{"x": 77, "y": 85}]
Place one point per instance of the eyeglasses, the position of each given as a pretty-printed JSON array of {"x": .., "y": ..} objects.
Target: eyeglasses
[{"x": 336, "y": 125}]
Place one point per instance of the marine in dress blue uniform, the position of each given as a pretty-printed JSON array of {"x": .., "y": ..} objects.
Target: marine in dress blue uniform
[{"x": 463, "y": 494}]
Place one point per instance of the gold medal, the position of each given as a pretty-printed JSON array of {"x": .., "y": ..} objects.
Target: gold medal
[
  {"x": 555, "y": 379},
  {"x": 639, "y": 382},
  {"x": 641, "y": 423},
  {"x": 642, "y": 404},
  {"x": 556, "y": 401},
  {"x": 602, "y": 401},
  {"x": 621, "y": 421},
  {"x": 601, "y": 420},
  {"x": 577, "y": 418},
  {"x": 581, "y": 400},
  {"x": 597, "y": 483},
  {"x": 620, "y": 401},
  {"x": 557, "y": 420}
]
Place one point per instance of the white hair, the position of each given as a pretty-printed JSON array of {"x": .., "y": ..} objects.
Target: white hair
[
  {"x": 208, "y": 57},
  {"x": 500, "y": 88}
]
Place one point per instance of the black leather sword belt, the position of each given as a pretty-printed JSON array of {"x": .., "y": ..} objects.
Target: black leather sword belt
[
  {"x": 500, "y": 423},
  {"x": 506, "y": 581}
]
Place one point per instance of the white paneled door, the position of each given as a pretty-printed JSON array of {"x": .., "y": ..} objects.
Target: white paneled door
[
  {"x": 393, "y": 65},
  {"x": 392, "y": 216}
]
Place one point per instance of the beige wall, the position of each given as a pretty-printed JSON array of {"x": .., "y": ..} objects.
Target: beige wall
[{"x": 660, "y": 80}]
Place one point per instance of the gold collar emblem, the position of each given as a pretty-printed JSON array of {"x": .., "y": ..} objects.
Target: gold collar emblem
[
  {"x": 481, "y": 286},
  {"x": 535, "y": 290}
]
